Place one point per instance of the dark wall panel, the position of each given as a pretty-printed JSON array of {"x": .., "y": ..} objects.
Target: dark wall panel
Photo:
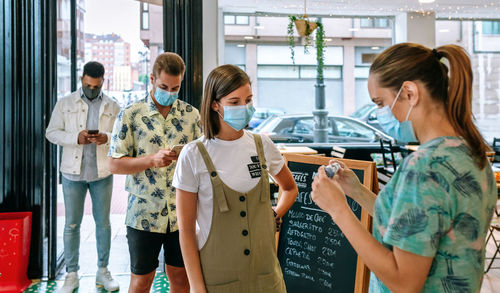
[
  {"x": 27, "y": 70},
  {"x": 183, "y": 34}
]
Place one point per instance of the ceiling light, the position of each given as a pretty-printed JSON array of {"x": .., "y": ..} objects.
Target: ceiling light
[
  {"x": 328, "y": 40},
  {"x": 354, "y": 29},
  {"x": 248, "y": 37},
  {"x": 444, "y": 30},
  {"x": 375, "y": 48},
  {"x": 240, "y": 45},
  {"x": 426, "y": 1},
  {"x": 259, "y": 27}
]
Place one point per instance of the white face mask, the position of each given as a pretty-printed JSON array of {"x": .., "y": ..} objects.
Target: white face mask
[{"x": 401, "y": 131}]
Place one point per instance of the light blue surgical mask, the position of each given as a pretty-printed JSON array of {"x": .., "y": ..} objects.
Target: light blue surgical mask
[
  {"x": 165, "y": 98},
  {"x": 238, "y": 116},
  {"x": 401, "y": 131}
]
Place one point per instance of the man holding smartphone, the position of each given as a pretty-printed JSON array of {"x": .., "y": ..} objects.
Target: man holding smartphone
[
  {"x": 145, "y": 144},
  {"x": 82, "y": 123}
]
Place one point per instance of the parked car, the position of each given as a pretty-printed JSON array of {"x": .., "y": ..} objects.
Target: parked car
[
  {"x": 368, "y": 114},
  {"x": 262, "y": 114},
  {"x": 300, "y": 129}
]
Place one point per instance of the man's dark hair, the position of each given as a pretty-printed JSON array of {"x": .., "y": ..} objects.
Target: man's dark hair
[{"x": 93, "y": 69}]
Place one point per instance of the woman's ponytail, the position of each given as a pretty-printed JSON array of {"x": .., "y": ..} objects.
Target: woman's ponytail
[{"x": 459, "y": 102}]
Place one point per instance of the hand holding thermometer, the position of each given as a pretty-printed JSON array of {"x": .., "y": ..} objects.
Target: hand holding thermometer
[{"x": 332, "y": 169}]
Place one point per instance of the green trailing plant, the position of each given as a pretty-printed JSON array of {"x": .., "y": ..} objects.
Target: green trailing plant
[
  {"x": 320, "y": 49},
  {"x": 291, "y": 38}
]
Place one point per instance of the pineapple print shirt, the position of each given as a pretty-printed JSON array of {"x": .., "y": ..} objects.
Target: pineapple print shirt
[
  {"x": 439, "y": 204},
  {"x": 141, "y": 130}
]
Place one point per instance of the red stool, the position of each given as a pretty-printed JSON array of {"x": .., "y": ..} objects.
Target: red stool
[{"x": 15, "y": 234}]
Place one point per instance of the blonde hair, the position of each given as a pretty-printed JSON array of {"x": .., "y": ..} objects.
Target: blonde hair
[
  {"x": 222, "y": 81},
  {"x": 170, "y": 63},
  {"x": 411, "y": 62}
]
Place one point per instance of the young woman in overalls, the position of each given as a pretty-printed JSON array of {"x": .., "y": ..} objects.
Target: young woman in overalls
[{"x": 226, "y": 223}]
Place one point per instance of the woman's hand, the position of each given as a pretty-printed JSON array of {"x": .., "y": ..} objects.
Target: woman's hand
[
  {"x": 347, "y": 179},
  {"x": 328, "y": 194}
]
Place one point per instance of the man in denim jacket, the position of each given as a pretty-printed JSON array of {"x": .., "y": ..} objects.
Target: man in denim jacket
[{"x": 82, "y": 124}]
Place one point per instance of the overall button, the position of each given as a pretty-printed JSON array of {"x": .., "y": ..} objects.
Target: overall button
[
  {"x": 243, "y": 214},
  {"x": 213, "y": 174},
  {"x": 244, "y": 232},
  {"x": 242, "y": 198},
  {"x": 246, "y": 252},
  {"x": 264, "y": 166}
]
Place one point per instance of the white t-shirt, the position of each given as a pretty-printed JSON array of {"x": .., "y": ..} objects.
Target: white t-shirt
[{"x": 235, "y": 162}]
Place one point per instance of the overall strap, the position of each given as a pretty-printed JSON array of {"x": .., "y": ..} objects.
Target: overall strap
[
  {"x": 219, "y": 194},
  {"x": 263, "y": 166}
]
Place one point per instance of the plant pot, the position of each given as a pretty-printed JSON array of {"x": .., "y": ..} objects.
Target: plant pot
[{"x": 301, "y": 25}]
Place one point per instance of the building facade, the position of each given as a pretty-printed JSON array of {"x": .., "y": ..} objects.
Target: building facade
[{"x": 114, "y": 53}]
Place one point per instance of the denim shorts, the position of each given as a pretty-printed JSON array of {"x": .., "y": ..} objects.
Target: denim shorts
[{"x": 144, "y": 248}]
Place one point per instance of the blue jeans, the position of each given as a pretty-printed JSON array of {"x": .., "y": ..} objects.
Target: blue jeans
[{"x": 74, "y": 199}]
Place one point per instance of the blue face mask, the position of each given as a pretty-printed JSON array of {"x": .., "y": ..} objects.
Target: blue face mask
[
  {"x": 164, "y": 97},
  {"x": 401, "y": 131},
  {"x": 238, "y": 116}
]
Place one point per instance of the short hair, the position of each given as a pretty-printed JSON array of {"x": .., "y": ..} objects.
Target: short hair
[
  {"x": 170, "y": 63},
  {"x": 93, "y": 69},
  {"x": 222, "y": 81}
]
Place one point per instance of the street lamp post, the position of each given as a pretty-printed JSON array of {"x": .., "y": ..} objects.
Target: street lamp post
[{"x": 320, "y": 113}]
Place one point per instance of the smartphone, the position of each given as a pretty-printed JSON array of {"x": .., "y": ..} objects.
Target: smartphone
[
  {"x": 93, "y": 131},
  {"x": 177, "y": 148}
]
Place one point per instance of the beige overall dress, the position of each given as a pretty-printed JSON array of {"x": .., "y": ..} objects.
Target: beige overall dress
[{"x": 240, "y": 253}]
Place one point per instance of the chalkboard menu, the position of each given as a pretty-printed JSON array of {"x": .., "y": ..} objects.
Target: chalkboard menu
[{"x": 313, "y": 252}]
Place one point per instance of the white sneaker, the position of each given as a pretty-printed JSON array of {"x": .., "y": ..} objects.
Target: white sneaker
[
  {"x": 70, "y": 283},
  {"x": 103, "y": 278}
]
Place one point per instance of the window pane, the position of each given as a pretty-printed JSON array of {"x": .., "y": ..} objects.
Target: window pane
[
  {"x": 491, "y": 27},
  {"x": 242, "y": 19},
  {"x": 361, "y": 72},
  {"x": 366, "y": 22},
  {"x": 145, "y": 6},
  {"x": 329, "y": 72},
  {"x": 229, "y": 19},
  {"x": 381, "y": 22},
  {"x": 277, "y": 71},
  {"x": 145, "y": 20}
]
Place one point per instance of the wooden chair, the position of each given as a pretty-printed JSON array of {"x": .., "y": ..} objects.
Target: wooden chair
[{"x": 494, "y": 226}]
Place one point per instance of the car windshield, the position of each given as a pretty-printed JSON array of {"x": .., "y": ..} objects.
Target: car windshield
[
  {"x": 362, "y": 111},
  {"x": 350, "y": 128},
  {"x": 268, "y": 125}
]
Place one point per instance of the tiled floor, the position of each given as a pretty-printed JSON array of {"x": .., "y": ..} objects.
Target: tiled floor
[{"x": 87, "y": 284}]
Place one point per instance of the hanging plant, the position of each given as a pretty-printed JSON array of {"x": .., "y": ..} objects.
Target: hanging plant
[{"x": 305, "y": 29}]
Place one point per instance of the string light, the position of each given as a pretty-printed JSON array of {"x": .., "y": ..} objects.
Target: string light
[{"x": 474, "y": 9}]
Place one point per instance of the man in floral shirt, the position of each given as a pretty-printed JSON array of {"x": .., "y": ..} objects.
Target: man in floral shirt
[{"x": 143, "y": 137}]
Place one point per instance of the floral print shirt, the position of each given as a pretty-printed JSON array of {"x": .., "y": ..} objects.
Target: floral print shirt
[
  {"x": 439, "y": 204},
  {"x": 141, "y": 130}
]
